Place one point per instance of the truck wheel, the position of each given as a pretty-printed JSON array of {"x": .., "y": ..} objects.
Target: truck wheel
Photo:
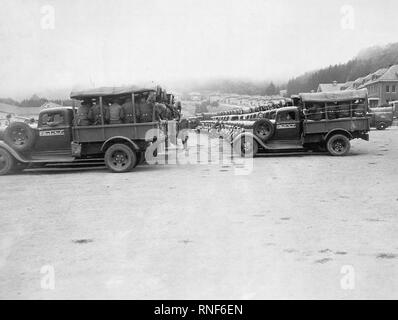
[
  {"x": 381, "y": 126},
  {"x": 338, "y": 145},
  {"x": 247, "y": 148},
  {"x": 264, "y": 129},
  {"x": 20, "y": 136},
  {"x": 7, "y": 162},
  {"x": 120, "y": 158}
]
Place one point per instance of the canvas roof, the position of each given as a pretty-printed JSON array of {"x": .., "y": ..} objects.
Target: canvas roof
[
  {"x": 328, "y": 87},
  {"x": 108, "y": 91},
  {"x": 334, "y": 96}
]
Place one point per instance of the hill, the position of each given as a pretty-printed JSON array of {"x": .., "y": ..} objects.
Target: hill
[
  {"x": 17, "y": 110},
  {"x": 367, "y": 61}
]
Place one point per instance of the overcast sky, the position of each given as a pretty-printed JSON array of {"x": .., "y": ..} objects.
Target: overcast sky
[{"x": 104, "y": 42}]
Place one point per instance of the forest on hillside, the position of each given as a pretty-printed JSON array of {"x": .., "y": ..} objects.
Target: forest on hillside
[
  {"x": 367, "y": 61},
  {"x": 34, "y": 101},
  {"x": 243, "y": 87}
]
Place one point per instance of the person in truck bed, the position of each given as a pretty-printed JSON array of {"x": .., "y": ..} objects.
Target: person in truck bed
[
  {"x": 82, "y": 114},
  {"x": 95, "y": 114},
  {"x": 115, "y": 112},
  {"x": 128, "y": 111}
]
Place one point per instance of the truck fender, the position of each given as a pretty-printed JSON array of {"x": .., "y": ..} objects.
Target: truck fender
[
  {"x": 119, "y": 139},
  {"x": 338, "y": 131},
  {"x": 15, "y": 154},
  {"x": 251, "y": 135}
]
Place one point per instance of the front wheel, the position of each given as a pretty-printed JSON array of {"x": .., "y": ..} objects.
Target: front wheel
[
  {"x": 120, "y": 158},
  {"x": 338, "y": 145},
  {"x": 381, "y": 126},
  {"x": 7, "y": 162}
]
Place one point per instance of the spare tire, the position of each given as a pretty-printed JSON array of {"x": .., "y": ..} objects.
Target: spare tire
[
  {"x": 264, "y": 129},
  {"x": 20, "y": 136}
]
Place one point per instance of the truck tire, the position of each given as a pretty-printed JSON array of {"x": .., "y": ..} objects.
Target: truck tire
[
  {"x": 338, "y": 145},
  {"x": 20, "y": 136},
  {"x": 247, "y": 148},
  {"x": 381, "y": 126},
  {"x": 7, "y": 162},
  {"x": 264, "y": 129},
  {"x": 120, "y": 158}
]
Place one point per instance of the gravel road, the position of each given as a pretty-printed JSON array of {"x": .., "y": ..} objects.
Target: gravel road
[{"x": 304, "y": 226}]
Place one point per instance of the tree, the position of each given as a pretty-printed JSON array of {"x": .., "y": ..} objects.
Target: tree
[{"x": 271, "y": 89}]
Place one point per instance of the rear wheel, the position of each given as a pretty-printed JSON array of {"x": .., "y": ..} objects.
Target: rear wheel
[
  {"x": 381, "y": 126},
  {"x": 120, "y": 158},
  {"x": 338, "y": 145},
  {"x": 7, "y": 162}
]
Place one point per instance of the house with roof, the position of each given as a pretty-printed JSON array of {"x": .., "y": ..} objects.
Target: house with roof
[
  {"x": 330, "y": 87},
  {"x": 382, "y": 86},
  {"x": 195, "y": 96}
]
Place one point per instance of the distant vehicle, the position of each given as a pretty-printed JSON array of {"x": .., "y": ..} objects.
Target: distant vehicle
[
  {"x": 394, "y": 105},
  {"x": 322, "y": 121},
  {"x": 58, "y": 140},
  {"x": 381, "y": 118}
]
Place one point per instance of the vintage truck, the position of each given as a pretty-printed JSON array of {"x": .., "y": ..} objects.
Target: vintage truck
[
  {"x": 121, "y": 146},
  {"x": 381, "y": 118},
  {"x": 318, "y": 121}
]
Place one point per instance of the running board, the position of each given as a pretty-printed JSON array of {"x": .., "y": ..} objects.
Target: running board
[{"x": 284, "y": 144}]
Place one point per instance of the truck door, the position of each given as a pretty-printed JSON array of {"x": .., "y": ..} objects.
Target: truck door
[
  {"x": 54, "y": 131},
  {"x": 287, "y": 126}
]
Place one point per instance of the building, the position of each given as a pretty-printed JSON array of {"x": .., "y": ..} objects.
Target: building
[
  {"x": 382, "y": 86},
  {"x": 195, "y": 96},
  {"x": 283, "y": 93},
  {"x": 214, "y": 97},
  {"x": 330, "y": 87}
]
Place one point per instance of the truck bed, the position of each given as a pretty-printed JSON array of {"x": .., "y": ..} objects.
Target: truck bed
[
  {"x": 348, "y": 124},
  {"x": 133, "y": 131}
]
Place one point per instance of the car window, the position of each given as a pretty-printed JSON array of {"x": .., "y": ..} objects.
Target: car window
[
  {"x": 286, "y": 116},
  {"x": 52, "y": 119},
  {"x": 273, "y": 114}
]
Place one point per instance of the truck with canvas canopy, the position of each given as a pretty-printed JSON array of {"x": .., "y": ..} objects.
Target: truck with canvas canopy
[
  {"x": 60, "y": 138},
  {"x": 318, "y": 121}
]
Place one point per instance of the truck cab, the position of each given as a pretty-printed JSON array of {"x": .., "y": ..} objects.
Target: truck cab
[{"x": 54, "y": 131}]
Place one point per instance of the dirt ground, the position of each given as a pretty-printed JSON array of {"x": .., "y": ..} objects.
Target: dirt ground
[{"x": 304, "y": 226}]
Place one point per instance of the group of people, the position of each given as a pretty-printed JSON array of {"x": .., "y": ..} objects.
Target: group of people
[
  {"x": 318, "y": 111},
  {"x": 121, "y": 110}
]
